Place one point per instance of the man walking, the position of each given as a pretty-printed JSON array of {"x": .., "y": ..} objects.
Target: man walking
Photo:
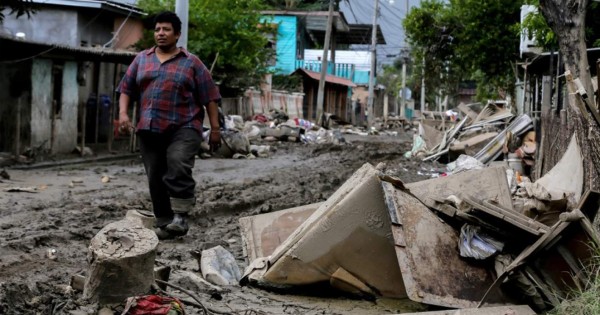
[{"x": 173, "y": 88}]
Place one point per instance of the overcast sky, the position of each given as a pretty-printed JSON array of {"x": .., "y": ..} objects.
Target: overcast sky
[{"x": 390, "y": 21}]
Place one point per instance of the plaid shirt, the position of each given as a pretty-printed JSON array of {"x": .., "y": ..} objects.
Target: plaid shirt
[{"x": 172, "y": 94}]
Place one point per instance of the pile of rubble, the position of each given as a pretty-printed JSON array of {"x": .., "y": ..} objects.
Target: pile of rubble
[
  {"x": 484, "y": 135},
  {"x": 246, "y": 139},
  {"x": 482, "y": 236}
]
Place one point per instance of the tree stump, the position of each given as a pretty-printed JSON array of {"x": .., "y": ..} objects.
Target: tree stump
[{"x": 121, "y": 262}]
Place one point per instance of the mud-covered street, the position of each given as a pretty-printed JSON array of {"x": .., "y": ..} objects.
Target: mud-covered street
[{"x": 44, "y": 233}]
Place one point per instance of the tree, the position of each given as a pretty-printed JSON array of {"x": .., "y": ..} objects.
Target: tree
[
  {"x": 18, "y": 7},
  {"x": 429, "y": 32},
  {"x": 229, "y": 33},
  {"x": 567, "y": 19},
  {"x": 466, "y": 40},
  {"x": 308, "y": 5}
]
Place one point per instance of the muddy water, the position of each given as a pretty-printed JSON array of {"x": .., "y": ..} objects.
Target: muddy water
[{"x": 72, "y": 203}]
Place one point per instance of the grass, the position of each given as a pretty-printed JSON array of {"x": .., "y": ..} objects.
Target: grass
[{"x": 584, "y": 301}]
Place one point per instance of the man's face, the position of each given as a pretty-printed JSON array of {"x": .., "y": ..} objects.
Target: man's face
[{"x": 164, "y": 35}]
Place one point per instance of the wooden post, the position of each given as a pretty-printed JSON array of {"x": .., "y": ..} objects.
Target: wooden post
[
  {"x": 83, "y": 126},
  {"x": 52, "y": 126},
  {"x": 371, "y": 98},
  {"x": 111, "y": 111},
  {"x": 321, "y": 89},
  {"x": 598, "y": 78},
  {"x": 545, "y": 117},
  {"x": 18, "y": 130},
  {"x": 97, "y": 88}
]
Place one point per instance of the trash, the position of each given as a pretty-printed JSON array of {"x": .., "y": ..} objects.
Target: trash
[
  {"x": 30, "y": 189},
  {"x": 153, "y": 304},
  {"x": 51, "y": 254},
  {"x": 307, "y": 125},
  {"x": 233, "y": 142},
  {"x": 417, "y": 148},
  {"x": 105, "y": 179},
  {"x": 474, "y": 243},
  {"x": 464, "y": 163},
  {"x": 219, "y": 266},
  {"x": 86, "y": 151},
  {"x": 260, "y": 150}
]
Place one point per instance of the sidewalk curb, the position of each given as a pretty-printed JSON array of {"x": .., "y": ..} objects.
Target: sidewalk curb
[{"x": 94, "y": 159}]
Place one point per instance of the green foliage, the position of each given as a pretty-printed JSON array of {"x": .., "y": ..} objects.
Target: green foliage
[
  {"x": 431, "y": 31},
  {"x": 465, "y": 40},
  {"x": 584, "y": 301},
  {"x": 303, "y": 5},
  {"x": 225, "y": 31},
  {"x": 17, "y": 7},
  {"x": 535, "y": 26},
  {"x": 287, "y": 83}
]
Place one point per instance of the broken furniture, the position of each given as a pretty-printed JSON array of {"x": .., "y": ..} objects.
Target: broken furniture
[
  {"x": 352, "y": 243},
  {"x": 413, "y": 231}
]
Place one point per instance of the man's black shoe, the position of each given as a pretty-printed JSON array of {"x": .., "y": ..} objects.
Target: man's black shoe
[{"x": 179, "y": 225}]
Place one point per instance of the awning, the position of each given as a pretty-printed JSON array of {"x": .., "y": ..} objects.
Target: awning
[
  {"x": 328, "y": 78},
  {"x": 16, "y": 50}
]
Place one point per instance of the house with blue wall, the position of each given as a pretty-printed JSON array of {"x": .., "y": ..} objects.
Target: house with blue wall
[{"x": 299, "y": 33}]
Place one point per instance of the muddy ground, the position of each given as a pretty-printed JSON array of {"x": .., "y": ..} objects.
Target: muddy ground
[{"x": 71, "y": 204}]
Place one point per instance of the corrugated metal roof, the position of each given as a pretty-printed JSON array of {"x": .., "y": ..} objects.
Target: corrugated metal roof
[
  {"x": 328, "y": 78},
  {"x": 17, "y": 50},
  {"x": 124, "y": 6},
  {"x": 316, "y": 25}
]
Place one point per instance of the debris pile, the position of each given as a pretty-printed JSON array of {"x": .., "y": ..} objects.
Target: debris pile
[
  {"x": 247, "y": 139},
  {"x": 483, "y": 236},
  {"x": 484, "y": 135}
]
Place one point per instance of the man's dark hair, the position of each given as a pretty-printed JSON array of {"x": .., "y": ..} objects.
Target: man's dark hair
[{"x": 169, "y": 17}]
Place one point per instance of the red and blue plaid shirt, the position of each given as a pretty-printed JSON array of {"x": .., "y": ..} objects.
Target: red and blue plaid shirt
[{"x": 172, "y": 94}]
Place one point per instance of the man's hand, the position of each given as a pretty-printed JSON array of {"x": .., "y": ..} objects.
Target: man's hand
[
  {"x": 214, "y": 140},
  {"x": 125, "y": 126}
]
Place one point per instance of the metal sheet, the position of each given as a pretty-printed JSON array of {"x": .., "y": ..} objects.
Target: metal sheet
[
  {"x": 488, "y": 183},
  {"x": 498, "y": 310},
  {"x": 262, "y": 233},
  {"x": 432, "y": 270},
  {"x": 350, "y": 230},
  {"x": 493, "y": 149}
]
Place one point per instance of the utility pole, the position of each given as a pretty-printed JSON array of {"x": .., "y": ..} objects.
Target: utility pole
[
  {"x": 321, "y": 92},
  {"x": 423, "y": 87},
  {"x": 373, "y": 66},
  {"x": 182, "y": 9},
  {"x": 404, "y": 53},
  {"x": 403, "y": 93}
]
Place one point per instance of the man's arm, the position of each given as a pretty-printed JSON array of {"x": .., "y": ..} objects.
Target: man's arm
[
  {"x": 214, "y": 138},
  {"x": 124, "y": 122}
]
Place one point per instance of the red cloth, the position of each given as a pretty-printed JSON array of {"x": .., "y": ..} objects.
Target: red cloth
[{"x": 153, "y": 305}]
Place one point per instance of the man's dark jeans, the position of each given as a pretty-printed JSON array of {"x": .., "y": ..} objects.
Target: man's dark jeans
[{"x": 168, "y": 159}]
